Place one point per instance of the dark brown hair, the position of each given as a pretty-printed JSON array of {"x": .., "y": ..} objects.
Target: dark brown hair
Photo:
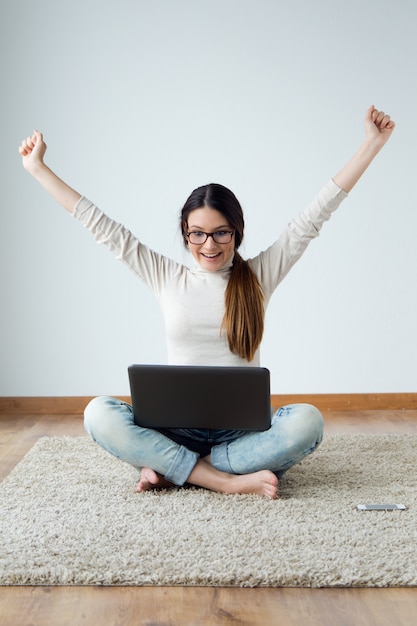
[{"x": 243, "y": 320}]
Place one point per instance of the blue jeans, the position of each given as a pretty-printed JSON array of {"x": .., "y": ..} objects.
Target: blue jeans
[{"x": 296, "y": 431}]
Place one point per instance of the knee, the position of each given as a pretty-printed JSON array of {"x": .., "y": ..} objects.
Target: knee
[
  {"x": 98, "y": 414},
  {"x": 314, "y": 421},
  {"x": 304, "y": 419}
]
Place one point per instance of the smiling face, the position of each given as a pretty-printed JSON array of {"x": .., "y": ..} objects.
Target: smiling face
[{"x": 210, "y": 255}]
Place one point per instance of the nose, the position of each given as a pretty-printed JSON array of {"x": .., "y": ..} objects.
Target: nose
[{"x": 210, "y": 243}]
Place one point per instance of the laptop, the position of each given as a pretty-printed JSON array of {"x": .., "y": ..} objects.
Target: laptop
[{"x": 215, "y": 397}]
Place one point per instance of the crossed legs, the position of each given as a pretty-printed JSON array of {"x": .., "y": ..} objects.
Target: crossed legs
[{"x": 248, "y": 464}]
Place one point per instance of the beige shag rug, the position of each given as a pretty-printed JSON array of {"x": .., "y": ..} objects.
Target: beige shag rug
[{"x": 69, "y": 515}]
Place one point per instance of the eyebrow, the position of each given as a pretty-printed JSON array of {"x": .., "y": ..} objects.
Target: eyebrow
[{"x": 222, "y": 227}]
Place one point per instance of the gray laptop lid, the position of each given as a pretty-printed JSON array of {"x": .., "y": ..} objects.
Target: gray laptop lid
[{"x": 182, "y": 396}]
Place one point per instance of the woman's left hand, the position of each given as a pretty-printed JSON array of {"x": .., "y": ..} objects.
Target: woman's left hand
[{"x": 378, "y": 126}]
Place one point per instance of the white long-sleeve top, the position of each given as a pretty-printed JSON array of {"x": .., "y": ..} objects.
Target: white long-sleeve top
[{"x": 192, "y": 299}]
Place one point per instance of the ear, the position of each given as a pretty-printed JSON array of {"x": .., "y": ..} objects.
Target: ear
[{"x": 184, "y": 231}]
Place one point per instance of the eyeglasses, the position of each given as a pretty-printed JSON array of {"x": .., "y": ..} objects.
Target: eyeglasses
[{"x": 197, "y": 237}]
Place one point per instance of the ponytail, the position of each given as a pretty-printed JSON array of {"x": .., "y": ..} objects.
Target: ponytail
[{"x": 243, "y": 320}]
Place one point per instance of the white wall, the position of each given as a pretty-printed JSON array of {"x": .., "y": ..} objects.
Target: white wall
[{"x": 142, "y": 101}]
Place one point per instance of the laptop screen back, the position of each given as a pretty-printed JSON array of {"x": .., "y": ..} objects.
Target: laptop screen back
[{"x": 180, "y": 396}]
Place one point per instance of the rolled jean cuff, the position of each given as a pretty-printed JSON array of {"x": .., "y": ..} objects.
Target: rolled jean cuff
[
  {"x": 220, "y": 458},
  {"x": 182, "y": 466}
]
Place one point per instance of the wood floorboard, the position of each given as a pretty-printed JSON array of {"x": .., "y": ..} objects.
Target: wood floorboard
[{"x": 189, "y": 606}]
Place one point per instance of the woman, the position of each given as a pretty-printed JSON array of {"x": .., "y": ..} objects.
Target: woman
[{"x": 214, "y": 315}]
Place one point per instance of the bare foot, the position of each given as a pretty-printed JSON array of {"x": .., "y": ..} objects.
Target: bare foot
[
  {"x": 149, "y": 479},
  {"x": 263, "y": 483}
]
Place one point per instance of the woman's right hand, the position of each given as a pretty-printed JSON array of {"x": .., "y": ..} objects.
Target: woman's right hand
[{"x": 32, "y": 150}]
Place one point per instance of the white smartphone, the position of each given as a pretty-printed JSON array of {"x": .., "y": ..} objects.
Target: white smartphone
[{"x": 381, "y": 507}]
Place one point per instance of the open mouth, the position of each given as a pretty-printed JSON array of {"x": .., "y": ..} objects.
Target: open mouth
[{"x": 210, "y": 256}]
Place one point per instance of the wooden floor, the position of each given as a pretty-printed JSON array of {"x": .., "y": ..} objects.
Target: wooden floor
[{"x": 188, "y": 606}]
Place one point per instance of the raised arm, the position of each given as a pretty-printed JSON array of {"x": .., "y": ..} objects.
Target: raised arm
[
  {"x": 378, "y": 129},
  {"x": 33, "y": 151}
]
